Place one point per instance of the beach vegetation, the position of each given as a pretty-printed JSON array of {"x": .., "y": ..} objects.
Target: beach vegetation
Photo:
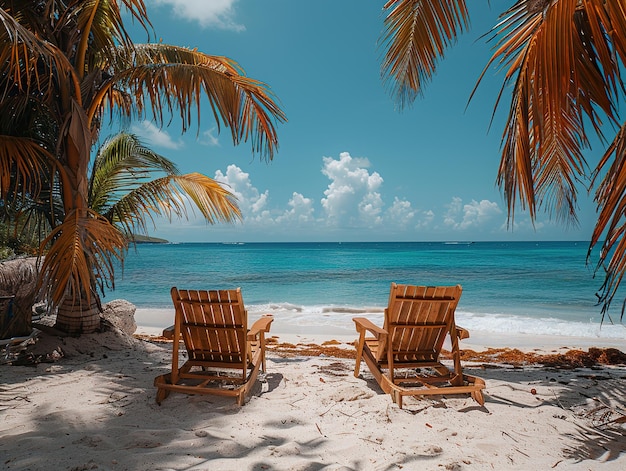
[
  {"x": 129, "y": 184},
  {"x": 563, "y": 62},
  {"x": 16, "y": 238},
  {"x": 66, "y": 68}
]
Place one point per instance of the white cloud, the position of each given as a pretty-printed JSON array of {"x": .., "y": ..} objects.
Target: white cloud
[
  {"x": 251, "y": 202},
  {"x": 301, "y": 210},
  {"x": 254, "y": 204},
  {"x": 208, "y": 13},
  {"x": 352, "y": 197},
  {"x": 426, "y": 220},
  {"x": 455, "y": 207},
  {"x": 152, "y": 136},
  {"x": 352, "y": 205},
  {"x": 523, "y": 224},
  {"x": 400, "y": 213},
  {"x": 473, "y": 215},
  {"x": 370, "y": 208},
  {"x": 208, "y": 138}
]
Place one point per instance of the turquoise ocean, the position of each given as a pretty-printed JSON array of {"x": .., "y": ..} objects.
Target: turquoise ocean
[{"x": 508, "y": 287}]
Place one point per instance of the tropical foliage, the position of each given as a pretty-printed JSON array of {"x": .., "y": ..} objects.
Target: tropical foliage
[
  {"x": 65, "y": 67},
  {"x": 563, "y": 61},
  {"x": 129, "y": 184}
]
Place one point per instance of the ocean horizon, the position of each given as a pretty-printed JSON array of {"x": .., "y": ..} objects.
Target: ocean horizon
[{"x": 539, "y": 287}]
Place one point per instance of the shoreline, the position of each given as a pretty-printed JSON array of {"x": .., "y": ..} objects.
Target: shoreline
[{"x": 479, "y": 340}]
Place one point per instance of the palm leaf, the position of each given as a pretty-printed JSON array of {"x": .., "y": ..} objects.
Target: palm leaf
[
  {"x": 610, "y": 229},
  {"x": 174, "y": 79},
  {"x": 27, "y": 62},
  {"x": 566, "y": 59},
  {"x": 103, "y": 19},
  {"x": 36, "y": 218},
  {"x": 81, "y": 260},
  {"x": 22, "y": 163},
  {"x": 560, "y": 67},
  {"x": 167, "y": 196},
  {"x": 121, "y": 165},
  {"x": 417, "y": 32}
]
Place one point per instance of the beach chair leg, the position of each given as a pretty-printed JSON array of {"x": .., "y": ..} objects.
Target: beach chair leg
[
  {"x": 478, "y": 397},
  {"x": 359, "y": 354},
  {"x": 241, "y": 398},
  {"x": 161, "y": 395},
  {"x": 396, "y": 396}
]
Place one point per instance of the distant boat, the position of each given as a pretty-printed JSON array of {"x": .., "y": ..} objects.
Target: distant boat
[{"x": 457, "y": 243}]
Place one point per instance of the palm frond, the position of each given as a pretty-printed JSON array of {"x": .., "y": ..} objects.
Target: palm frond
[
  {"x": 171, "y": 79},
  {"x": 121, "y": 165},
  {"x": 417, "y": 32},
  {"x": 610, "y": 229},
  {"x": 22, "y": 164},
  {"x": 214, "y": 201},
  {"x": 25, "y": 116},
  {"x": 26, "y": 62},
  {"x": 167, "y": 196},
  {"x": 560, "y": 64},
  {"x": 36, "y": 218},
  {"x": 81, "y": 260},
  {"x": 103, "y": 19}
]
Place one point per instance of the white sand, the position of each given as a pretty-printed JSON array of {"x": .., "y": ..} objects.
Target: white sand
[{"x": 95, "y": 409}]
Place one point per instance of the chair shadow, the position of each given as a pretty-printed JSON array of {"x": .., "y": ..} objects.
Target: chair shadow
[
  {"x": 593, "y": 398},
  {"x": 266, "y": 383}
]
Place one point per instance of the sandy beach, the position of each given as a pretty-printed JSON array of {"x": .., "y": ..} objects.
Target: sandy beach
[{"x": 91, "y": 405}]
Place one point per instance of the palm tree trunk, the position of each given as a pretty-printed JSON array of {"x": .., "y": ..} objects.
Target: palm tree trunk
[{"x": 76, "y": 316}]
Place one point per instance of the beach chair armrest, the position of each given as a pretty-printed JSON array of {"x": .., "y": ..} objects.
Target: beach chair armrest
[
  {"x": 168, "y": 332},
  {"x": 363, "y": 324},
  {"x": 260, "y": 325},
  {"x": 462, "y": 333}
]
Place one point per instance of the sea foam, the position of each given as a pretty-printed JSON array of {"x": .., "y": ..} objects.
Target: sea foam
[{"x": 292, "y": 317}]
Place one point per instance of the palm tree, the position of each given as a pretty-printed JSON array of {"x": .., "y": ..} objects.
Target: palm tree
[
  {"x": 65, "y": 66},
  {"x": 129, "y": 184},
  {"x": 563, "y": 60}
]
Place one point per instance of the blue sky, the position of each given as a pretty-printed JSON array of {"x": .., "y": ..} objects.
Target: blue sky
[{"x": 350, "y": 166}]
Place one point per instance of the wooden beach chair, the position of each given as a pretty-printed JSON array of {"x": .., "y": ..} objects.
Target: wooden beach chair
[
  {"x": 404, "y": 355},
  {"x": 223, "y": 356}
]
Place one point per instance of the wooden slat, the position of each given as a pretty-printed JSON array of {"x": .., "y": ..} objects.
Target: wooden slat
[
  {"x": 213, "y": 321},
  {"x": 213, "y": 326},
  {"x": 418, "y": 326},
  {"x": 417, "y": 321}
]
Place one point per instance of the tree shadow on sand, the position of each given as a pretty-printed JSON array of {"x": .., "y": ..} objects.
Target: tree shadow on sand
[
  {"x": 124, "y": 428},
  {"x": 115, "y": 422},
  {"x": 592, "y": 398}
]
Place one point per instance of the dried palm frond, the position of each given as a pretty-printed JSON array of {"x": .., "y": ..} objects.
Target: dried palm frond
[
  {"x": 171, "y": 78},
  {"x": 417, "y": 32},
  {"x": 80, "y": 262}
]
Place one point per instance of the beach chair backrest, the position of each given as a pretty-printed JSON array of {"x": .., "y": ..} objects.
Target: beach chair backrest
[
  {"x": 212, "y": 324},
  {"x": 418, "y": 318}
]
